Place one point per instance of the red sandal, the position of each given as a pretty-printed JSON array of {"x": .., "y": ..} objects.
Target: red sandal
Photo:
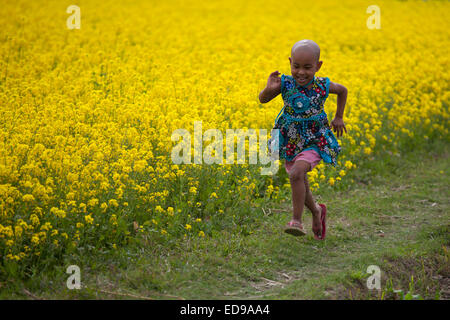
[{"x": 295, "y": 228}]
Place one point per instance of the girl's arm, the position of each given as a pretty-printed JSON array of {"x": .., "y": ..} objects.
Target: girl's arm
[
  {"x": 338, "y": 122},
  {"x": 272, "y": 89}
]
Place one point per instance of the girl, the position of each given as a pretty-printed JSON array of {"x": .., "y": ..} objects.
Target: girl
[{"x": 305, "y": 135}]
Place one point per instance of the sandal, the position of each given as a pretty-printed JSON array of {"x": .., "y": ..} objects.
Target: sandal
[
  {"x": 323, "y": 219},
  {"x": 295, "y": 228}
]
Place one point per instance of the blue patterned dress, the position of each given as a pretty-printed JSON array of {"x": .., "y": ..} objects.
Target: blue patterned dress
[{"x": 304, "y": 124}]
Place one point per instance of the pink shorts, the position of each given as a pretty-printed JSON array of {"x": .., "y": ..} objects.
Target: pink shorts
[{"x": 310, "y": 156}]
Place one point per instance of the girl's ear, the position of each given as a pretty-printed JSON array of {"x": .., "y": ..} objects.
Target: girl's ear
[{"x": 319, "y": 64}]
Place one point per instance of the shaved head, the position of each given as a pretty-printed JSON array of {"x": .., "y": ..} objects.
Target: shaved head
[
  {"x": 309, "y": 45},
  {"x": 304, "y": 59}
]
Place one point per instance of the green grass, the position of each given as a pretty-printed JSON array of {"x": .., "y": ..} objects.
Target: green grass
[{"x": 395, "y": 215}]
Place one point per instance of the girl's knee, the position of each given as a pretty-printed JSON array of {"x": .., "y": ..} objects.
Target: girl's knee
[
  {"x": 298, "y": 175},
  {"x": 299, "y": 170}
]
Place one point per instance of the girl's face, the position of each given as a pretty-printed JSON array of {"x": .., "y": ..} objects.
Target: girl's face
[{"x": 304, "y": 65}]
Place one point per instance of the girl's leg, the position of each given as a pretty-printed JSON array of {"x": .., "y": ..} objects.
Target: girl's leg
[
  {"x": 315, "y": 209},
  {"x": 297, "y": 179}
]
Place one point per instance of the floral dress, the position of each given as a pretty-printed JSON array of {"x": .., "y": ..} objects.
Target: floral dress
[{"x": 304, "y": 124}]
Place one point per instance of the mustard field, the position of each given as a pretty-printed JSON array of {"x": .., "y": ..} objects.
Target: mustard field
[{"x": 86, "y": 115}]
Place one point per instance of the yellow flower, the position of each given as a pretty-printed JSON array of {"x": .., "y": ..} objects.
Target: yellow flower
[
  {"x": 201, "y": 234},
  {"x": 82, "y": 207},
  {"x": 104, "y": 206},
  {"x": 348, "y": 164},
  {"x": 92, "y": 202},
  {"x": 113, "y": 202},
  {"x": 188, "y": 227},
  {"x": 88, "y": 219},
  {"x": 18, "y": 231},
  {"x": 113, "y": 220},
  {"x": 331, "y": 181},
  {"x": 269, "y": 190},
  {"x": 46, "y": 226},
  {"x": 35, "y": 239},
  {"x": 58, "y": 212},
  {"x": 213, "y": 195},
  {"x": 34, "y": 219},
  {"x": 28, "y": 198}
]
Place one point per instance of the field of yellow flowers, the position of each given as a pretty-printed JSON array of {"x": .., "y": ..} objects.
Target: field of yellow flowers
[{"x": 86, "y": 115}]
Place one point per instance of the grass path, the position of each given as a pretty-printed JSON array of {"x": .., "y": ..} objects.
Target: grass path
[{"x": 395, "y": 216}]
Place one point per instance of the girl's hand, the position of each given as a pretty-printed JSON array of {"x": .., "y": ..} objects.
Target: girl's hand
[
  {"x": 274, "y": 81},
  {"x": 272, "y": 89},
  {"x": 338, "y": 126}
]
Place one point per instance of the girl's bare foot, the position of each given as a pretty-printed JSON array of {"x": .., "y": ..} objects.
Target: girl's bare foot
[{"x": 316, "y": 223}]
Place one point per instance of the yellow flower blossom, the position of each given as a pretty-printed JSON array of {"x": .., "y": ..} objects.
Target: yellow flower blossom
[
  {"x": 34, "y": 219},
  {"x": 92, "y": 202},
  {"x": 28, "y": 198},
  {"x": 213, "y": 195},
  {"x": 192, "y": 189},
  {"x": 113, "y": 220},
  {"x": 88, "y": 219},
  {"x": 113, "y": 203},
  {"x": 35, "y": 239},
  {"x": 18, "y": 231}
]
